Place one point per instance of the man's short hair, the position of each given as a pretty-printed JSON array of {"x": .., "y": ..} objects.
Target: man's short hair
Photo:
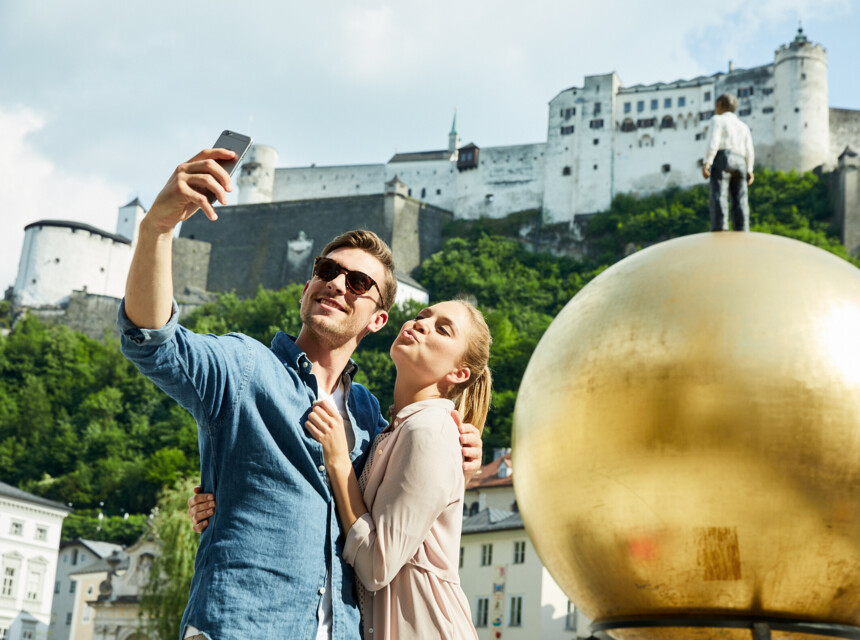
[
  {"x": 727, "y": 102},
  {"x": 372, "y": 244}
]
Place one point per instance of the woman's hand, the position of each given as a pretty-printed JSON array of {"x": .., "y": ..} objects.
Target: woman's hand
[
  {"x": 201, "y": 506},
  {"x": 325, "y": 424}
]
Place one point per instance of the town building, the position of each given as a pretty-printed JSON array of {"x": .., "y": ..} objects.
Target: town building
[
  {"x": 30, "y": 528},
  {"x": 510, "y": 592},
  {"x": 71, "y": 616}
]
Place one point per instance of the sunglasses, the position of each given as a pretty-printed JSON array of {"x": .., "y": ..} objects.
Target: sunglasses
[{"x": 357, "y": 282}]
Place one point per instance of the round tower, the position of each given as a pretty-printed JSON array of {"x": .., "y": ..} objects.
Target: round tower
[
  {"x": 257, "y": 175},
  {"x": 801, "y": 109}
]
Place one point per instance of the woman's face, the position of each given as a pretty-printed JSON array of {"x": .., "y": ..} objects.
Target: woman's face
[{"x": 430, "y": 348}]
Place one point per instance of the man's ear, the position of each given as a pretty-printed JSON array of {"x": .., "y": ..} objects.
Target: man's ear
[
  {"x": 458, "y": 376},
  {"x": 379, "y": 319},
  {"x": 307, "y": 284}
]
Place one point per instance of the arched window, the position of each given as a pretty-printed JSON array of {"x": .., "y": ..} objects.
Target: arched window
[
  {"x": 473, "y": 510},
  {"x": 628, "y": 125},
  {"x": 667, "y": 123}
]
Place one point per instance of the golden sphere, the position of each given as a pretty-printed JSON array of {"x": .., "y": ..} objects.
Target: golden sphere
[{"x": 687, "y": 436}]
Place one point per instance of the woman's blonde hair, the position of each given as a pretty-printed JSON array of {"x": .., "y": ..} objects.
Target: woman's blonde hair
[{"x": 472, "y": 397}]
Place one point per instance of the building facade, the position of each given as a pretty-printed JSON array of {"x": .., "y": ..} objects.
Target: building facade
[
  {"x": 30, "y": 528},
  {"x": 511, "y": 594},
  {"x": 71, "y": 589},
  {"x": 603, "y": 138}
]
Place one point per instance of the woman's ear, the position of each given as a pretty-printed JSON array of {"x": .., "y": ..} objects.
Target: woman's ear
[{"x": 458, "y": 376}]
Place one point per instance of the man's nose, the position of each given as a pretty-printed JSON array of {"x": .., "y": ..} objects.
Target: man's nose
[{"x": 339, "y": 283}]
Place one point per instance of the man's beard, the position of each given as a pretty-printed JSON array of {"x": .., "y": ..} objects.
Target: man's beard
[{"x": 332, "y": 334}]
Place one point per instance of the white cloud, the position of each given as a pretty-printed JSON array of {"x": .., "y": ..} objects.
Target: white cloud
[{"x": 35, "y": 188}]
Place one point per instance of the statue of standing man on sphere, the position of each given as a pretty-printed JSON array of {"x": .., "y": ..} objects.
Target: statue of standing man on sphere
[{"x": 728, "y": 162}]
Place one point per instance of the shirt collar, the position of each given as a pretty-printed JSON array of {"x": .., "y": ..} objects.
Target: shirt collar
[
  {"x": 285, "y": 348},
  {"x": 415, "y": 407}
]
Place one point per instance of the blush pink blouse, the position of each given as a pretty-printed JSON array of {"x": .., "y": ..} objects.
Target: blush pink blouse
[{"x": 406, "y": 549}]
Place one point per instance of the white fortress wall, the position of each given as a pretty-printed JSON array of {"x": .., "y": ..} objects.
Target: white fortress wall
[
  {"x": 57, "y": 260},
  {"x": 302, "y": 183},
  {"x": 660, "y": 136},
  {"x": 593, "y": 144},
  {"x": 506, "y": 180},
  {"x": 560, "y": 172},
  {"x": 433, "y": 181},
  {"x": 844, "y": 131}
]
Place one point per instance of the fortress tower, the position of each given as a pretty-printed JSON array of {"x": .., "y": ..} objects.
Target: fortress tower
[
  {"x": 801, "y": 112},
  {"x": 257, "y": 175},
  {"x": 128, "y": 220}
]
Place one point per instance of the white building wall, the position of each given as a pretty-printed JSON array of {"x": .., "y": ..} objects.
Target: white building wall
[
  {"x": 29, "y": 539},
  {"x": 544, "y": 606},
  {"x": 433, "y": 181},
  {"x": 58, "y": 260},
  {"x": 303, "y": 183}
]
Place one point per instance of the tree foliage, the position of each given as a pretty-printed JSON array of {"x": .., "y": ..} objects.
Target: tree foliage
[{"x": 166, "y": 593}]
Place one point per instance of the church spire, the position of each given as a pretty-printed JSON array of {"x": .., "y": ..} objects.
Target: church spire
[{"x": 453, "y": 137}]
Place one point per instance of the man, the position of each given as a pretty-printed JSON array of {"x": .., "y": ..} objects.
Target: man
[
  {"x": 728, "y": 162},
  {"x": 269, "y": 565}
]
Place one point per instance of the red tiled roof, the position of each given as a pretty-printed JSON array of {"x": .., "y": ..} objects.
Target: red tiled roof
[{"x": 488, "y": 476}]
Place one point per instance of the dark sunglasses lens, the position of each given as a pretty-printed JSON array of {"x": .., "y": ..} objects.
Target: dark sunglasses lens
[
  {"x": 327, "y": 270},
  {"x": 358, "y": 282}
]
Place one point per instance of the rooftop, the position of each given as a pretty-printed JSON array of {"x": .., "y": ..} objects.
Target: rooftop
[
  {"x": 488, "y": 476},
  {"x": 8, "y": 491}
]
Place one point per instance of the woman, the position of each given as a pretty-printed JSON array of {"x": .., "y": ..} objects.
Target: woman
[{"x": 403, "y": 516}]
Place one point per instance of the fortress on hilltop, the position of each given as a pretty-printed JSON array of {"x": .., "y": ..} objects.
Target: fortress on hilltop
[{"x": 602, "y": 139}]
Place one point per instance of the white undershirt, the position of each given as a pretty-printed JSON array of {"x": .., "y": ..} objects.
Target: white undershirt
[{"x": 338, "y": 399}]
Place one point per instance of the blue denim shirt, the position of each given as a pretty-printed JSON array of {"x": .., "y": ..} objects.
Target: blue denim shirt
[{"x": 262, "y": 560}]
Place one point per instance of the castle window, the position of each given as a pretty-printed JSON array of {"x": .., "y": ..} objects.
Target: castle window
[
  {"x": 644, "y": 123},
  {"x": 784, "y": 128},
  {"x": 596, "y": 124},
  {"x": 767, "y": 91},
  {"x": 410, "y": 193},
  {"x": 627, "y": 106},
  {"x": 565, "y": 131},
  {"x": 489, "y": 198},
  {"x": 423, "y": 192},
  {"x": 654, "y": 104},
  {"x": 744, "y": 112},
  {"x": 797, "y": 109},
  {"x": 640, "y": 106},
  {"x": 565, "y": 171},
  {"x": 699, "y": 136},
  {"x": 57, "y": 260},
  {"x": 746, "y": 92},
  {"x": 101, "y": 269},
  {"x": 438, "y": 192},
  {"x": 667, "y": 103},
  {"x": 803, "y": 76},
  {"x": 595, "y": 167},
  {"x": 705, "y": 115},
  {"x": 596, "y": 108},
  {"x": 767, "y": 110},
  {"x": 628, "y": 125},
  {"x": 33, "y": 281},
  {"x": 561, "y": 113},
  {"x": 707, "y": 96},
  {"x": 667, "y": 123},
  {"x": 682, "y": 101},
  {"x": 569, "y": 112},
  {"x": 666, "y": 168},
  {"x": 596, "y": 141}
]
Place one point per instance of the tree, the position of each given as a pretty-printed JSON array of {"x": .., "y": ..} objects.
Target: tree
[{"x": 164, "y": 596}]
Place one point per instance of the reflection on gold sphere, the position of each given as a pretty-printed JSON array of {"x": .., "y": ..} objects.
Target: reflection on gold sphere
[{"x": 687, "y": 436}]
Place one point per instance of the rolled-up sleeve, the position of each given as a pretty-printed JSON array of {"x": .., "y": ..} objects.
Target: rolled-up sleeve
[
  {"x": 418, "y": 484},
  {"x": 203, "y": 373}
]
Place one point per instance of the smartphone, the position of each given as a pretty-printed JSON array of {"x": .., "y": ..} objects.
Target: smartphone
[{"x": 235, "y": 142}]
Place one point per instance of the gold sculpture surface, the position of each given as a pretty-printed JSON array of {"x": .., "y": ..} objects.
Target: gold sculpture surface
[{"x": 687, "y": 437}]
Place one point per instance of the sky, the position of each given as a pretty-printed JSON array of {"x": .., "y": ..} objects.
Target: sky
[{"x": 100, "y": 100}]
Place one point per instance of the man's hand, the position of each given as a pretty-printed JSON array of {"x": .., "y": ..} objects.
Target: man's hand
[
  {"x": 186, "y": 190},
  {"x": 201, "y": 506},
  {"x": 706, "y": 170},
  {"x": 750, "y": 178},
  {"x": 472, "y": 445}
]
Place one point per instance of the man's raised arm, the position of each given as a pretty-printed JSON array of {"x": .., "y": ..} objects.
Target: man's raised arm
[{"x": 149, "y": 288}]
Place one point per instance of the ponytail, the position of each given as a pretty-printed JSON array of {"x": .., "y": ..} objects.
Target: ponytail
[
  {"x": 472, "y": 397},
  {"x": 473, "y": 403}
]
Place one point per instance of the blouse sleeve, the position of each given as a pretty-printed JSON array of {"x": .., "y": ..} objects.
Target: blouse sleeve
[{"x": 420, "y": 477}]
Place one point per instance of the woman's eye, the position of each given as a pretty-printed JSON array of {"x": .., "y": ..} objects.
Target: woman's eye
[{"x": 444, "y": 331}]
